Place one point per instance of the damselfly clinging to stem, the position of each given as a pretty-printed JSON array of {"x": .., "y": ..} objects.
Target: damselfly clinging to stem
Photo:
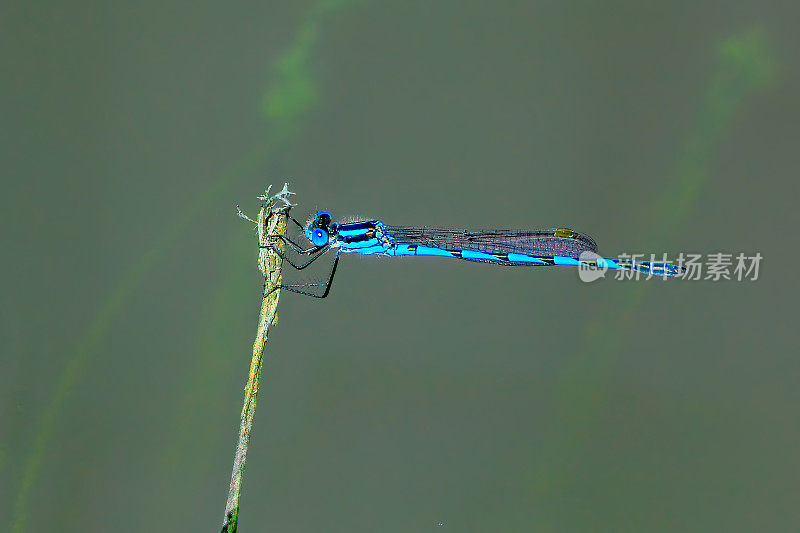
[{"x": 560, "y": 246}]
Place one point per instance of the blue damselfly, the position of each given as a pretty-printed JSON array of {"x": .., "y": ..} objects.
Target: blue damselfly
[{"x": 559, "y": 246}]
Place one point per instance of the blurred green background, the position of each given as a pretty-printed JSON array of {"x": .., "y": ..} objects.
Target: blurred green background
[{"x": 422, "y": 395}]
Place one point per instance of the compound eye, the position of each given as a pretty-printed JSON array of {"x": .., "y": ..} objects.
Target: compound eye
[
  {"x": 324, "y": 218},
  {"x": 319, "y": 237}
]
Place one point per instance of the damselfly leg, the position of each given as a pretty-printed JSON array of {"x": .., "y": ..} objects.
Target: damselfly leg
[
  {"x": 299, "y": 287},
  {"x": 319, "y": 250}
]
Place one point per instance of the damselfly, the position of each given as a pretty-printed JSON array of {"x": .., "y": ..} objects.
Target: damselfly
[{"x": 560, "y": 246}]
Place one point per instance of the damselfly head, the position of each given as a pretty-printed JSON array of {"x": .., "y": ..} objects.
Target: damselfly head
[{"x": 320, "y": 228}]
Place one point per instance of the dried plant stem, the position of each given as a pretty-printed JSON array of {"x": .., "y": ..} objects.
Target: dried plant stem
[{"x": 271, "y": 221}]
